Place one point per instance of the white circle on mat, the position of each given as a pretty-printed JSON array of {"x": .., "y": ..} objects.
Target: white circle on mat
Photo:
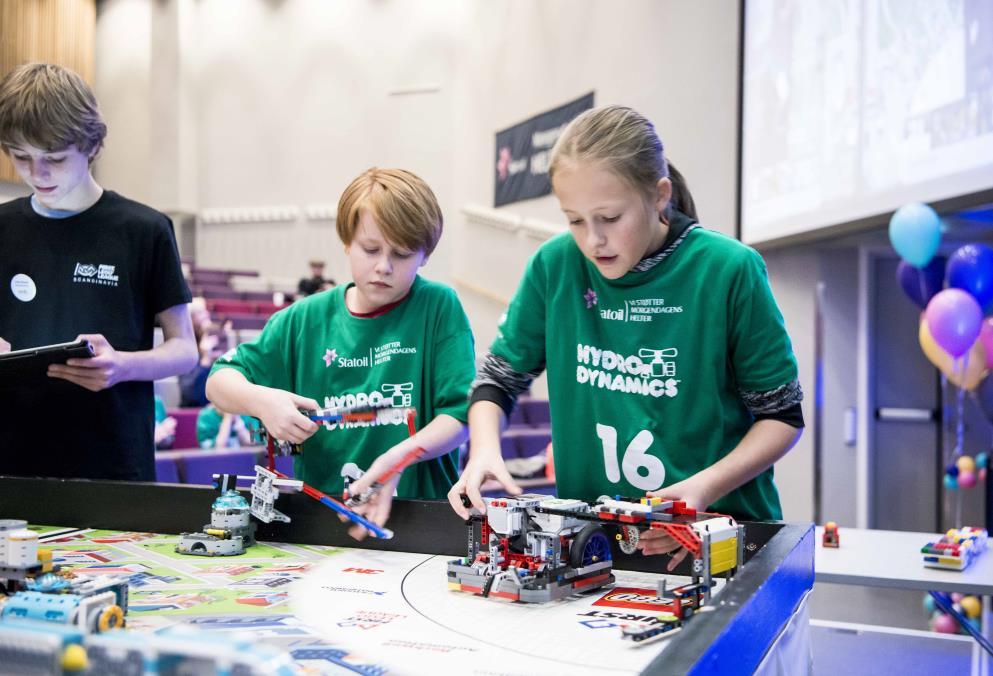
[{"x": 23, "y": 287}]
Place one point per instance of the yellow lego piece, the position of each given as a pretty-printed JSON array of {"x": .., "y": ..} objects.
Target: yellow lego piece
[
  {"x": 723, "y": 555},
  {"x": 454, "y": 586}
]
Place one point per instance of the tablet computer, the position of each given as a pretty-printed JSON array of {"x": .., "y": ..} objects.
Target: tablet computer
[{"x": 33, "y": 362}]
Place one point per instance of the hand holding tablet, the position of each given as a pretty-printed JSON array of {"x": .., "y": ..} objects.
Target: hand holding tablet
[{"x": 32, "y": 363}]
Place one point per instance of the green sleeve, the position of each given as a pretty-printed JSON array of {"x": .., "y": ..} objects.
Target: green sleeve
[
  {"x": 760, "y": 349},
  {"x": 454, "y": 362},
  {"x": 208, "y": 425},
  {"x": 521, "y": 335},
  {"x": 266, "y": 360}
]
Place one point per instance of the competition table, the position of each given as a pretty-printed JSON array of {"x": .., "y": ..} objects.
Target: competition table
[
  {"x": 886, "y": 558},
  {"x": 383, "y": 605}
]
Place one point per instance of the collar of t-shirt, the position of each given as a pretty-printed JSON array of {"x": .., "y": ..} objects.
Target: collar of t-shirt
[
  {"x": 679, "y": 226},
  {"x": 378, "y": 312},
  {"x": 42, "y": 210}
]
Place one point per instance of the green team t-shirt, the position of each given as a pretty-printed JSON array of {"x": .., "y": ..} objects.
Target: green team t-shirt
[
  {"x": 644, "y": 372},
  {"x": 419, "y": 354}
]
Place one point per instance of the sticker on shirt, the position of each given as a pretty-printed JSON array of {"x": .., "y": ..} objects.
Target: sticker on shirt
[
  {"x": 637, "y": 310},
  {"x": 100, "y": 273},
  {"x": 397, "y": 395},
  {"x": 377, "y": 355},
  {"x": 23, "y": 288},
  {"x": 650, "y": 373}
]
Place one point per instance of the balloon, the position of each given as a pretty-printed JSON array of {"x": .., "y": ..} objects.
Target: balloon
[
  {"x": 954, "y": 319},
  {"x": 970, "y": 268},
  {"x": 920, "y": 284},
  {"x": 986, "y": 337},
  {"x": 981, "y": 460},
  {"x": 966, "y": 480},
  {"x": 965, "y": 463},
  {"x": 929, "y": 604},
  {"x": 971, "y": 606},
  {"x": 951, "y": 483},
  {"x": 915, "y": 233},
  {"x": 945, "y": 624},
  {"x": 960, "y": 373}
]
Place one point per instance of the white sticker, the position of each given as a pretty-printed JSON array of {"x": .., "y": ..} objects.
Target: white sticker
[{"x": 23, "y": 287}]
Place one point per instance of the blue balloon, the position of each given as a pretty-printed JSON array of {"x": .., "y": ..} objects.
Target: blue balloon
[
  {"x": 970, "y": 268},
  {"x": 915, "y": 233},
  {"x": 921, "y": 284}
]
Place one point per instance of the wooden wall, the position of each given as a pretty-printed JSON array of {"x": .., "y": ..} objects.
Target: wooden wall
[{"x": 54, "y": 31}]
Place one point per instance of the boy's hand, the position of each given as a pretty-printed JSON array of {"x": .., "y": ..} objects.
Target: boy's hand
[
  {"x": 4, "y": 346},
  {"x": 694, "y": 494},
  {"x": 377, "y": 509},
  {"x": 481, "y": 466},
  {"x": 103, "y": 370},
  {"x": 283, "y": 420}
]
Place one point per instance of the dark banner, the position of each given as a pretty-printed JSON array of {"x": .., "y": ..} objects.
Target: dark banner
[{"x": 523, "y": 153}]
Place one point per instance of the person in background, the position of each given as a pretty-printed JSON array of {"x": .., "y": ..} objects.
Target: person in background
[
  {"x": 317, "y": 282},
  {"x": 165, "y": 427},
  {"x": 224, "y": 430},
  {"x": 212, "y": 341}
]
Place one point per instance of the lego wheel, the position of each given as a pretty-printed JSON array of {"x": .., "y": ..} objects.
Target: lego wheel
[
  {"x": 627, "y": 539},
  {"x": 590, "y": 546},
  {"x": 110, "y": 617}
]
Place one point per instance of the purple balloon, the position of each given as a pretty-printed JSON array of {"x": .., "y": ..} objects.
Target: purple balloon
[
  {"x": 920, "y": 284},
  {"x": 954, "y": 319},
  {"x": 970, "y": 268}
]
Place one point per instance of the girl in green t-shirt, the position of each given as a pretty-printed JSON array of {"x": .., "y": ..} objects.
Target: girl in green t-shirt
[{"x": 669, "y": 368}]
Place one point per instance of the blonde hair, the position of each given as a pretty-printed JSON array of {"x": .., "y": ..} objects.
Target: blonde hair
[
  {"x": 403, "y": 205},
  {"x": 620, "y": 139},
  {"x": 49, "y": 107}
]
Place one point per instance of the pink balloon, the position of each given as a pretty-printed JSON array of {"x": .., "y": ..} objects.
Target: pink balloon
[
  {"x": 954, "y": 319},
  {"x": 946, "y": 624},
  {"x": 967, "y": 479},
  {"x": 957, "y": 597},
  {"x": 986, "y": 336}
]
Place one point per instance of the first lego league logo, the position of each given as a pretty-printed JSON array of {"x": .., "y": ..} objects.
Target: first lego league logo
[
  {"x": 632, "y": 598},
  {"x": 87, "y": 273}
]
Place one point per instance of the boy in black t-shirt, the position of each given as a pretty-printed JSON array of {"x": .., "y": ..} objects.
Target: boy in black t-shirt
[{"x": 88, "y": 264}]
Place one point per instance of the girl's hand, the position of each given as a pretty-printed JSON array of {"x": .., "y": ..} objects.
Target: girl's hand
[
  {"x": 103, "y": 370},
  {"x": 482, "y": 466},
  {"x": 695, "y": 494},
  {"x": 282, "y": 418}
]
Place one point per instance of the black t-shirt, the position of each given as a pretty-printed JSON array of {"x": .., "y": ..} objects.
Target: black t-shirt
[{"x": 108, "y": 270}]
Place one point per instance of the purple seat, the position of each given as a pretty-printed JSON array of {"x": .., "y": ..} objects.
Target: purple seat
[
  {"x": 536, "y": 411},
  {"x": 508, "y": 447},
  {"x": 517, "y": 416},
  {"x": 532, "y": 443},
  {"x": 199, "y": 467},
  {"x": 186, "y": 427},
  {"x": 284, "y": 463},
  {"x": 257, "y": 295},
  {"x": 216, "y": 292},
  {"x": 166, "y": 471},
  {"x": 242, "y": 322}
]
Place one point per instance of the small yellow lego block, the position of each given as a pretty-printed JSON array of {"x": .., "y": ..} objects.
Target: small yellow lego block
[{"x": 723, "y": 555}]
